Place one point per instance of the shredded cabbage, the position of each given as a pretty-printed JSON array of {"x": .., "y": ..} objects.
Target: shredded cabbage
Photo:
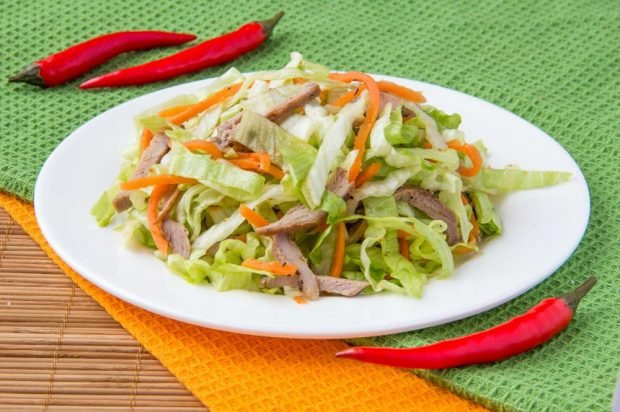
[{"x": 393, "y": 246}]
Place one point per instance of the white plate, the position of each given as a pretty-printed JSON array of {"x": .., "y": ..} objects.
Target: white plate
[{"x": 542, "y": 229}]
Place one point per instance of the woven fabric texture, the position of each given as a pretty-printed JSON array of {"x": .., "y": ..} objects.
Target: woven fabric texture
[
  {"x": 229, "y": 371},
  {"x": 553, "y": 63}
]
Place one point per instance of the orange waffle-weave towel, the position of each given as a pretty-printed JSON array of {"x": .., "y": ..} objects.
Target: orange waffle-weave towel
[{"x": 228, "y": 371}]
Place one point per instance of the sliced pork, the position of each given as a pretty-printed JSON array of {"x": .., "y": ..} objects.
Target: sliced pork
[
  {"x": 152, "y": 155},
  {"x": 327, "y": 284},
  {"x": 287, "y": 251},
  {"x": 425, "y": 201},
  {"x": 296, "y": 218},
  {"x": 280, "y": 282},
  {"x": 226, "y": 132},
  {"x": 279, "y": 113},
  {"x": 340, "y": 286},
  {"x": 177, "y": 236},
  {"x": 300, "y": 217}
]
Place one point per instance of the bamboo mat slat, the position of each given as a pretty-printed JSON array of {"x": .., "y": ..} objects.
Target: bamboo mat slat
[{"x": 60, "y": 351}]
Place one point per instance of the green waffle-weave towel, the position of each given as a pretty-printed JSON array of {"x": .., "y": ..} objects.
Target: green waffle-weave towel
[{"x": 554, "y": 63}]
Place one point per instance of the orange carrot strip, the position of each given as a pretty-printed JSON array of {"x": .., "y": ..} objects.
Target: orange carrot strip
[
  {"x": 475, "y": 230},
  {"x": 470, "y": 151},
  {"x": 403, "y": 246},
  {"x": 252, "y": 217},
  {"x": 300, "y": 300},
  {"x": 338, "y": 263},
  {"x": 277, "y": 268},
  {"x": 349, "y": 96},
  {"x": 401, "y": 91},
  {"x": 263, "y": 158},
  {"x": 254, "y": 165},
  {"x": 402, "y": 234},
  {"x": 171, "y": 111},
  {"x": 368, "y": 173},
  {"x": 145, "y": 139},
  {"x": 264, "y": 161},
  {"x": 246, "y": 163},
  {"x": 152, "y": 213},
  {"x": 204, "y": 146},
  {"x": 371, "y": 115},
  {"x": 275, "y": 172},
  {"x": 141, "y": 182},
  {"x": 203, "y": 105}
]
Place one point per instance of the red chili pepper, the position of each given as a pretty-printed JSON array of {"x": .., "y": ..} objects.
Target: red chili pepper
[
  {"x": 510, "y": 338},
  {"x": 209, "y": 53},
  {"x": 72, "y": 62}
]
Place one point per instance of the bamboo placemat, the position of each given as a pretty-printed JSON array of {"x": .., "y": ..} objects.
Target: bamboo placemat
[{"x": 60, "y": 351}]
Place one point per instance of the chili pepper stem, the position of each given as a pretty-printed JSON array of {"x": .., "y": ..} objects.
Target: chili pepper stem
[
  {"x": 573, "y": 297},
  {"x": 30, "y": 75},
  {"x": 269, "y": 24}
]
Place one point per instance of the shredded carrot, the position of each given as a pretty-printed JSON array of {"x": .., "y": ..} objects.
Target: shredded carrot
[
  {"x": 403, "y": 246},
  {"x": 277, "y": 268},
  {"x": 275, "y": 172},
  {"x": 349, "y": 96},
  {"x": 402, "y": 234},
  {"x": 470, "y": 151},
  {"x": 255, "y": 165},
  {"x": 145, "y": 139},
  {"x": 427, "y": 145},
  {"x": 203, "y": 105},
  {"x": 464, "y": 199},
  {"x": 300, "y": 299},
  {"x": 204, "y": 146},
  {"x": 142, "y": 182},
  {"x": 338, "y": 263},
  {"x": 475, "y": 230},
  {"x": 152, "y": 213},
  {"x": 263, "y": 159},
  {"x": 171, "y": 111},
  {"x": 252, "y": 217},
  {"x": 299, "y": 80},
  {"x": 368, "y": 173},
  {"x": 242, "y": 237},
  {"x": 371, "y": 115},
  {"x": 401, "y": 91}
]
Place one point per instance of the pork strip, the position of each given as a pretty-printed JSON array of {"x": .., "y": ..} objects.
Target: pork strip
[
  {"x": 152, "y": 155},
  {"x": 177, "y": 236},
  {"x": 286, "y": 251},
  {"x": 327, "y": 284},
  {"x": 425, "y": 201},
  {"x": 300, "y": 217},
  {"x": 280, "y": 281},
  {"x": 340, "y": 286},
  {"x": 169, "y": 203},
  {"x": 279, "y": 113}
]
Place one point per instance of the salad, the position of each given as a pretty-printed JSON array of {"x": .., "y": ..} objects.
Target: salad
[{"x": 305, "y": 182}]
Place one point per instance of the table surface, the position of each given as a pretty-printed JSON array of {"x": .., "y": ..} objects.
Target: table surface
[{"x": 59, "y": 350}]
